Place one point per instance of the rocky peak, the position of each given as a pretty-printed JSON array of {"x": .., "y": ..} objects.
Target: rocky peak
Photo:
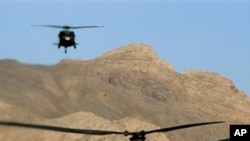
[
  {"x": 139, "y": 54},
  {"x": 132, "y": 51}
]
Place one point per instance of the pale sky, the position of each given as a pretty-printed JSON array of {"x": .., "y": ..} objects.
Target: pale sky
[{"x": 210, "y": 36}]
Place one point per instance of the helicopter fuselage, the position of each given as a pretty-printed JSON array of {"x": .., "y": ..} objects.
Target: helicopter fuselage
[{"x": 66, "y": 39}]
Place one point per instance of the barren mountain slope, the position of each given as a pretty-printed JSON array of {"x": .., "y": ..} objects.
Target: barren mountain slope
[{"x": 130, "y": 81}]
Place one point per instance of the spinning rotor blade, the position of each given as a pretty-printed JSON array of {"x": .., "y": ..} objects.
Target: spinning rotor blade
[
  {"x": 224, "y": 140},
  {"x": 68, "y": 27},
  {"x": 60, "y": 129},
  {"x": 76, "y": 27},
  {"x": 181, "y": 127},
  {"x": 53, "y": 26},
  {"x": 103, "y": 132}
]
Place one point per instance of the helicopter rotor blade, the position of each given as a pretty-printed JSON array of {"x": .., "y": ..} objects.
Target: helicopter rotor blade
[
  {"x": 181, "y": 127},
  {"x": 224, "y": 140},
  {"x": 53, "y": 26},
  {"x": 60, "y": 129},
  {"x": 102, "y": 132},
  {"x": 68, "y": 27},
  {"x": 77, "y": 27}
]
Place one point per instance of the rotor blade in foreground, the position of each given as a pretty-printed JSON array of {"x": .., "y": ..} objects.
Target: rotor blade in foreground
[
  {"x": 181, "y": 127},
  {"x": 60, "y": 129},
  {"x": 224, "y": 140}
]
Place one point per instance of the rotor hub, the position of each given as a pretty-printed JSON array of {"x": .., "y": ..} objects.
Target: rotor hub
[{"x": 136, "y": 136}]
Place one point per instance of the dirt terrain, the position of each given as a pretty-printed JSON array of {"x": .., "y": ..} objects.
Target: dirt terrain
[{"x": 128, "y": 88}]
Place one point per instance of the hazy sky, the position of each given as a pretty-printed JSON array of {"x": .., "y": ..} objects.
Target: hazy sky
[{"x": 211, "y": 36}]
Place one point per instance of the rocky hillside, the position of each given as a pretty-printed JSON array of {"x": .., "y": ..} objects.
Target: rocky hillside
[{"x": 128, "y": 82}]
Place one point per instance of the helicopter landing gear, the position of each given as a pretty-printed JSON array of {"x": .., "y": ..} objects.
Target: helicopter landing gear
[
  {"x": 74, "y": 46},
  {"x": 65, "y": 50}
]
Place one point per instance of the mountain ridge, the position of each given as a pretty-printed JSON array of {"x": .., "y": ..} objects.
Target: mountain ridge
[{"x": 130, "y": 81}]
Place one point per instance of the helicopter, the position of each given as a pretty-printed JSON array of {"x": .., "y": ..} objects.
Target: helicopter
[
  {"x": 66, "y": 36},
  {"x": 135, "y": 136}
]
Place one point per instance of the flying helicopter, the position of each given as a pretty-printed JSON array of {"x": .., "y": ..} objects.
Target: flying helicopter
[
  {"x": 67, "y": 36},
  {"x": 135, "y": 136}
]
